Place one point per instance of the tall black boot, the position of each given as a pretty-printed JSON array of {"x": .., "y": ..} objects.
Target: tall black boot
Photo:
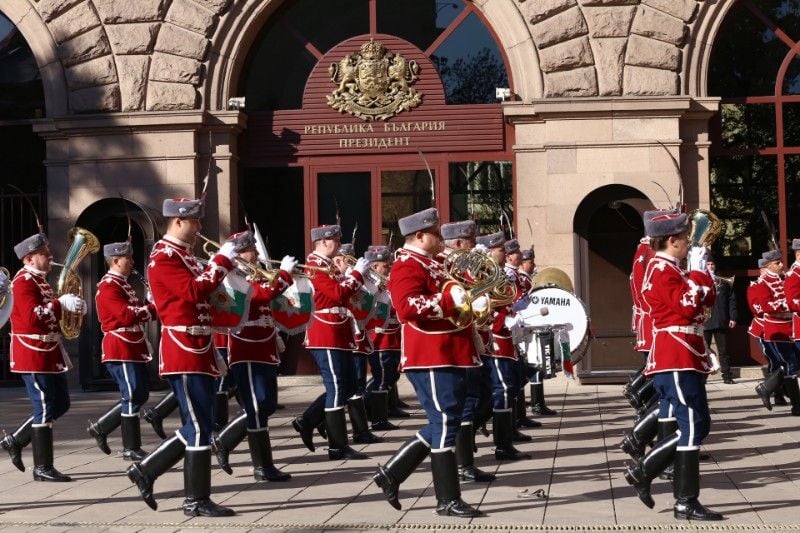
[
  {"x": 522, "y": 420},
  {"x": 448, "y": 491},
  {"x": 105, "y": 425},
  {"x": 516, "y": 434},
  {"x": 766, "y": 388},
  {"x": 502, "y": 427},
  {"x": 686, "y": 487},
  {"x": 228, "y": 439},
  {"x": 646, "y": 408},
  {"x": 357, "y": 410},
  {"x": 665, "y": 429},
  {"x": 197, "y": 485},
  {"x": 642, "y": 474},
  {"x": 395, "y": 405},
  {"x": 145, "y": 473},
  {"x": 792, "y": 390},
  {"x": 337, "y": 437},
  {"x": 635, "y": 443},
  {"x": 132, "y": 438},
  {"x": 378, "y": 407},
  {"x": 220, "y": 410},
  {"x": 14, "y": 443},
  {"x": 313, "y": 416},
  {"x": 635, "y": 382},
  {"x": 156, "y": 414},
  {"x": 261, "y": 453},
  {"x": 640, "y": 397},
  {"x": 465, "y": 443},
  {"x": 42, "y": 444},
  {"x": 538, "y": 406},
  {"x": 399, "y": 467}
]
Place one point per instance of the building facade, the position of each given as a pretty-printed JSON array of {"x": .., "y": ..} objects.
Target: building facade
[{"x": 567, "y": 117}]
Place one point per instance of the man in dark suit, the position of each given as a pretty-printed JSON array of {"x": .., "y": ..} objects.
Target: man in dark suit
[{"x": 723, "y": 317}]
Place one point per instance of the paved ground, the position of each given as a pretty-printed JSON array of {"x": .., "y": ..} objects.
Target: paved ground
[{"x": 752, "y": 476}]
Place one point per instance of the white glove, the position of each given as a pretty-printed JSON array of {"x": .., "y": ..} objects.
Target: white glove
[
  {"x": 228, "y": 250},
  {"x": 714, "y": 360},
  {"x": 458, "y": 294},
  {"x": 481, "y": 248},
  {"x": 84, "y": 307},
  {"x": 222, "y": 366},
  {"x": 697, "y": 258},
  {"x": 288, "y": 263},
  {"x": 72, "y": 303},
  {"x": 480, "y": 304},
  {"x": 362, "y": 265},
  {"x": 148, "y": 296}
]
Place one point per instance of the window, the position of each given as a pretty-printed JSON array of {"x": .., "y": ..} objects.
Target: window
[
  {"x": 21, "y": 92},
  {"x": 481, "y": 191}
]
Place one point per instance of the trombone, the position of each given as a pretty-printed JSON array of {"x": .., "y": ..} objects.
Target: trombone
[{"x": 254, "y": 270}]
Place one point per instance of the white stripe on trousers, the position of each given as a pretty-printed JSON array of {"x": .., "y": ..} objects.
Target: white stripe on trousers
[
  {"x": 439, "y": 407},
  {"x": 502, "y": 382},
  {"x": 335, "y": 381},
  {"x": 691, "y": 411},
  {"x": 128, "y": 386},
  {"x": 185, "y": 381},
  {"x": 41, "y": 399},
  {"x": 253, "y": 393}
]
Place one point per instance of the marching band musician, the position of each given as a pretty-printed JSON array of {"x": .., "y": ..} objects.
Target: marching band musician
[
  {"x": 181, "y": 288},
  {"x": 329, "y": 337},
  {"x": 254, "y": 356},
  {"x": 678, "y": 361},
  {"x": 527, "y": 265},
  {"x": 500, "y": 362},
  {"x": 39, "y": 356},
  {"x": 434, "y": 356},
  {"x": 461, "y": 236},
  {"x": 385, "y": 337},
  {"x": 773, "y": 376},
  {"x": 770, "y": 300},
  {"x": 792, "y": 290},
  {"x": 523, "y": 284},
  {"x": 125, "y": 351},
  {"x": 356, "y": 404}
]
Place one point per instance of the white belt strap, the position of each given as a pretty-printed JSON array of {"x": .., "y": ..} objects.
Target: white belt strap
[
  {"x": 191, "y": 330},
  {"x": 689, "y": 330},
  {"x": 333, "y": 310},
  {"x": 50, "y": 337}
]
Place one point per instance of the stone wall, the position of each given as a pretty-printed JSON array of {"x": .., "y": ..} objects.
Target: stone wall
[
  {"x": 132, "y": 55},
  {"x": 610, "y": 47}
]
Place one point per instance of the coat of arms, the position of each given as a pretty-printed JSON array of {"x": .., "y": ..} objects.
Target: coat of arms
[{"x": 374, "y": 84}]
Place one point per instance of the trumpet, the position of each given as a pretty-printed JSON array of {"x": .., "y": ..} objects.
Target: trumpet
[
  {"x": 376, "y": 277},
  {"x": 254, "y": 270}
]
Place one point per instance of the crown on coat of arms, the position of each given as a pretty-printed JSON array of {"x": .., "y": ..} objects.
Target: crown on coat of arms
[{"x": 372, "y": 50}]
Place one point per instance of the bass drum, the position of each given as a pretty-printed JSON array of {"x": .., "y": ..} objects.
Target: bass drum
[{"x": 565, "y": 312}]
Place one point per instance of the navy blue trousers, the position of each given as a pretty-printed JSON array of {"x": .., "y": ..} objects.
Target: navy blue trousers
[
  {"x": 505, "y": 387},
  {"x": 441, "y": 393},
  {"x": 338, "y": 374},
  {"x": 786, "y": 352},
  {"x": 133, "y": 383},
  {"x": 478, "y": 391},
  {"x": 686, "y": 393},
  {"x": 195, "y": 395},
  {"x": 49, "y": 396},
  {"x": 384, "y": 365},
  {"x": 360, "y": 374},
  {"x": 258, "y": 388}
]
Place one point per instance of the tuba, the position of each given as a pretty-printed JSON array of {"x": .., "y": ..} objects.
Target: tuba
[
  {"x": 6, "y": 301},
  {"x": 705, "y": 228},
  {"x": 82, "y": 243}
]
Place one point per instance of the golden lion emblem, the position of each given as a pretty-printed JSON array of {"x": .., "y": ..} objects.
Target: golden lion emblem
[{"x": 374, "y": 84}]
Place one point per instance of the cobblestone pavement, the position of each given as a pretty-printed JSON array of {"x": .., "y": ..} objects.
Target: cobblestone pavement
[{"x": 576, "y": 470}]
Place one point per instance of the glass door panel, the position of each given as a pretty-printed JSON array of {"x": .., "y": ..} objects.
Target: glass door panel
[
  {"x": 346, "y": 196},
  {"x": 403, "y": 192}
]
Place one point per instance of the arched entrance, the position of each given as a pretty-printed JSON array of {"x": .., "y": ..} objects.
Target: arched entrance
[
  {"x": 108, "y": 220},
  {"x": 608, "y": 226}
]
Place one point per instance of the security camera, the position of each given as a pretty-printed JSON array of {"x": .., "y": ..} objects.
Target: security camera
[
  {"x": 502, "y": 94},
  {"x": 237, "y": 102}
]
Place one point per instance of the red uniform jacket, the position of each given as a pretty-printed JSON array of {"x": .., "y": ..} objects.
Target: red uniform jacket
[
  {"x": 386, "y": 336},
  {"x": 641, "y": 323},
  {"x": 121, "y": 316},
  {"x": 769, "y": 300},
  {"x": 181, "y": 288},
  {"x": 677, "y": 303},
  {"x": 791, "y": 287},
  {"x": 257, "y": 341},
  {"x": 429, "y": 339},
  {"x": 331, "y": 325},
  {"x": 756, "y": 328},
  {"x": 35, "y": 333}
]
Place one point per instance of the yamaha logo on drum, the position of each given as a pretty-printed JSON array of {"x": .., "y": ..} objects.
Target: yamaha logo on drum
[{"x": 551, "y": 300}]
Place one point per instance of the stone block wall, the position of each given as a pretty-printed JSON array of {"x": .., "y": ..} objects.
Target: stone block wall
[
  {"x": 610, "y": 47},
  {"x": 132, "y": 55}
]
